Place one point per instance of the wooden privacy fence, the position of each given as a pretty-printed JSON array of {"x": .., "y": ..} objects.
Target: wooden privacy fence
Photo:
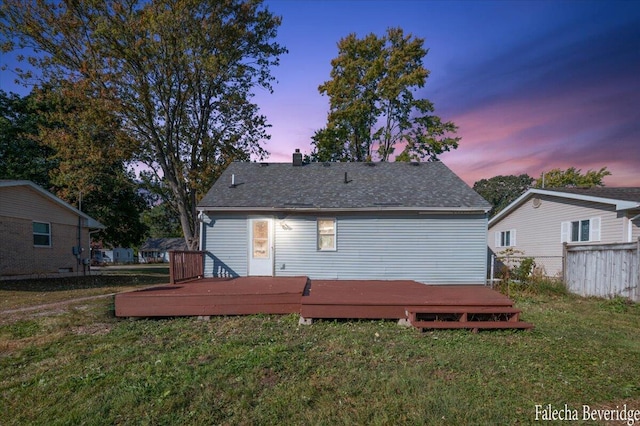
[
  {"x": 185, "y": 265},
  {"x": 603, "y": 270}
]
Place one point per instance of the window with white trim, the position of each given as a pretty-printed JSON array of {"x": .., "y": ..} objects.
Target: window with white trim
[
  {"x": 506, "y": 238},
  {"x": 583, "y": 230},
  {"x": 41, "y": 234},
  {"x": 326, "y": 234}
]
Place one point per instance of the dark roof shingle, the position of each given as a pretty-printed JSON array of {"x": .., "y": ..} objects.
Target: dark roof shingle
[
  {"x": 164, "y": 244},
  {"x": 322, "y": 186},
  {"x": 619, "y": 193}
]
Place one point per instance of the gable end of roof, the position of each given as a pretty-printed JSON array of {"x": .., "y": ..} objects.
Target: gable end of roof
[
  {"x": 620, "y": 204},
  {"x": 91, "y": 222}
]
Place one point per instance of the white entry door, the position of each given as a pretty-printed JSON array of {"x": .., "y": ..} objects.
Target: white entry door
[{"x": 261, "y": 247}]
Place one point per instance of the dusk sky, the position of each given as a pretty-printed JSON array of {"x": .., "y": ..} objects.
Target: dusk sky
[{"x": 531, "y": 85}]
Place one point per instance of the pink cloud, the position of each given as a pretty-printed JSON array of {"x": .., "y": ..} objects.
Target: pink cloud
[{"x": 572, "y": 128}]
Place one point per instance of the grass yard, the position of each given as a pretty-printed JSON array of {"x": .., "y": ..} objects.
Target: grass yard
[
  {"x": 84, "y": 366},
  {"x": 25, "y": 293}
]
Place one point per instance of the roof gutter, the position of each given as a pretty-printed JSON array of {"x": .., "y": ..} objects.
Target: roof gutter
[{"x": 419, "y": 210}]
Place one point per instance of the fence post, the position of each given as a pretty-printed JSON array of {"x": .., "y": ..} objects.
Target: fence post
[{"x": 564, "y": 263}]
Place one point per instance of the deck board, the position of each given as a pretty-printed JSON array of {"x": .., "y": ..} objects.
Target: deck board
[
  {"x": 312, "y": 299},
  {"x": 405, "y": 292},
  {"x": 215, "y": 296}
]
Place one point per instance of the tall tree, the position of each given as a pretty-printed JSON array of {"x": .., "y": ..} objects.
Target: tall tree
[
  {"x": 572, "y": 178},
  {"x": 500, "y": 191},
  {"x": 179, "y": 74},
  {"x": 21, "y": 155},
  {"x": 61, "y": 144},
  {"x": 91, "y": 152},
  {"x": 161, "y": 222},
  {"x": 373, "y": 104}
]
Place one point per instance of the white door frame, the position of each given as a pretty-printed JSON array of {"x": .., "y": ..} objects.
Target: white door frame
[{"x": 260, "y": 252}]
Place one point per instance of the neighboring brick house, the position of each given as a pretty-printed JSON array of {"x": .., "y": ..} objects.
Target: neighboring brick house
[{"x": 40, "y": 234}]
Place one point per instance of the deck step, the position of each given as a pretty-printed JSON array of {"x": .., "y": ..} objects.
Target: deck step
[
  {"x": 469, "y": 317},
  {"x": 462, "y": 310},
  {"x": 472, "y": 325},
  {"x": 462, "y": 314}
]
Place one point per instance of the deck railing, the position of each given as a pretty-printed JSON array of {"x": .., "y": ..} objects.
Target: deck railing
[{"x": 185, "y": 265}]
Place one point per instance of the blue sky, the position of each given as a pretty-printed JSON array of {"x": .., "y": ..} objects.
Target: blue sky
[{"x": 531, "y": 85}]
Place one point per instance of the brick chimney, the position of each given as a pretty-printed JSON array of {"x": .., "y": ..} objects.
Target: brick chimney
[{"x": 297, "y": 158}]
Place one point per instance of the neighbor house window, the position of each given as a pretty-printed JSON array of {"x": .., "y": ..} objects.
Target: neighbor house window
[
  {"x": 506, "y": 238},
  {"x": 41, "y": 234},
  {"x": 326, "y": 234},
  {"x": 584, "y": 230}
]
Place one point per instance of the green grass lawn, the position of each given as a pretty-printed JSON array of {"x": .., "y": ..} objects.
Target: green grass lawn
[
  {"x": 25, "y": 293},
  {"x": 84, "y": 366}
]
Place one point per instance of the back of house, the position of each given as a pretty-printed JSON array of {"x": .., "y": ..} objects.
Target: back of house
[{"x": 383, "y": 221}]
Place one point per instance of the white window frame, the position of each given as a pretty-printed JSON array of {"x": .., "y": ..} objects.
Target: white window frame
[
  {"x": 567, "y": 230},
  {"x": 47, "y": 234},
  {"x": 335, "y": 234},
  {"x": 499, "y": 238}
]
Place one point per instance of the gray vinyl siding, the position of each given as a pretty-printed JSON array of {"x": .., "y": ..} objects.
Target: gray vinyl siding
[
  {"x": 225, "y": 241},
  {"x": 538, "y": 230},
  {"x": 434, "y": 249}
]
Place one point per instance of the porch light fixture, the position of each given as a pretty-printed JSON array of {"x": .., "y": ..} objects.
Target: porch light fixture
[{"x": 285, "y": 226}]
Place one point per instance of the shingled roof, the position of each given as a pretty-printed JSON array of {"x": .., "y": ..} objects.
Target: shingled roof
[
  {"x": 341, "y": 186},
  {"x": 164, "y": 244}
]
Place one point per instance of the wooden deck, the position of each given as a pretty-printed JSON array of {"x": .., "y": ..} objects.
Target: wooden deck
[
  {"x": 215, "y": 296},
  {"x": 423, "y": 306}
]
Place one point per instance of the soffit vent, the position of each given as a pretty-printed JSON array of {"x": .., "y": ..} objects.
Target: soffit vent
[{"x": 536, "y": 202}]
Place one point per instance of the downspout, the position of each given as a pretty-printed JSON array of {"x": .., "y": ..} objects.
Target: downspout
[
  {"x": 273, "y": 246},
  {"x": 201, "y": 240},
  {"x": 200, "y": 237},
  {"x": 79, "y": 250}
]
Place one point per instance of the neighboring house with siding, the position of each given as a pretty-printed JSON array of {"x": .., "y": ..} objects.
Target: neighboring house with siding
[
  {"x": 40, "y": 233},
  {"x": 156, "y": 250},
  {"x": 416, "y": 221},
  {"x": 541, "y": 220}
]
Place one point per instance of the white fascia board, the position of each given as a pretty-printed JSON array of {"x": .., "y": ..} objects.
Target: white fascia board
[
  {"x": 432, "y": 210},
  {"x": 620, "y": 204}
]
